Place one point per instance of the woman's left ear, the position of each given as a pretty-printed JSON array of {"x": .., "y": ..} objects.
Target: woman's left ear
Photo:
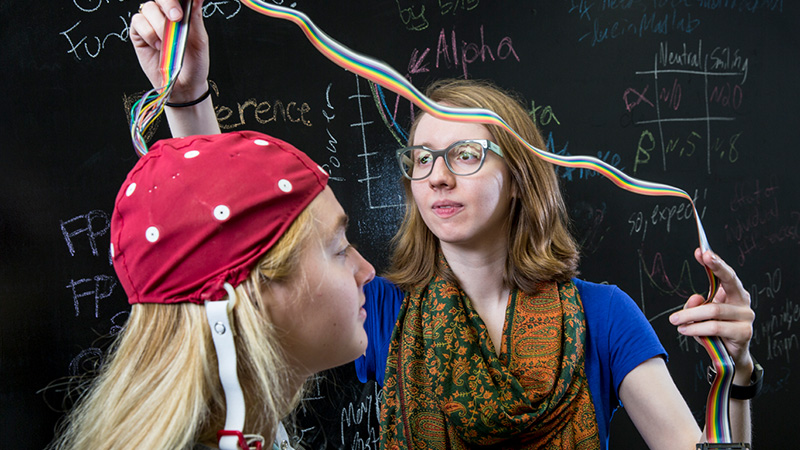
[{"x": 514, "y": 191}]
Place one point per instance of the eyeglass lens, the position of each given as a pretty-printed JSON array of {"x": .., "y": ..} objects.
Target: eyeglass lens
[{"x": 462, "y": 158}]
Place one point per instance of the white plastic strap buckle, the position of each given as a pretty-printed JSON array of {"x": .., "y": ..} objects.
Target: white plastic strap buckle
[{"x": 222, "y": 334}]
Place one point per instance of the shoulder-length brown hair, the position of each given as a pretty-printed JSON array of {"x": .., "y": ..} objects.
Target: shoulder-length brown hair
[{"x": 540, "y": 245}]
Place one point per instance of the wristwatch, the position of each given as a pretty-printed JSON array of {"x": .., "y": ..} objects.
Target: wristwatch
[{"x": 743, "y": 392}]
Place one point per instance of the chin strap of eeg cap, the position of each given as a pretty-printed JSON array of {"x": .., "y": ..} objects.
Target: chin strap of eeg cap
[{"x": 231, "y": 438}]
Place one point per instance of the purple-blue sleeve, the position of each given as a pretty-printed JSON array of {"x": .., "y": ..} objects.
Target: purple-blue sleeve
[
  {"x": 383, "y": 301},
  {"x": 619, "y": 338},
  {"x": 632, "y": 339}
]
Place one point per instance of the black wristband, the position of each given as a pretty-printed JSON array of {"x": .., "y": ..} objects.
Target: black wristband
[
  {"x": 744, "y": 392},
  {"x": 193, "y": 102}
]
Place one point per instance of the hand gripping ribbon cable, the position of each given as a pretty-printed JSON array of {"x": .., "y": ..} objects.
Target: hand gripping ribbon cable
[{"x": 145, "y": 111}]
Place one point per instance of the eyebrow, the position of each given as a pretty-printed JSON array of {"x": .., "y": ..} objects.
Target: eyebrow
[{"x": 342, "y": 223}]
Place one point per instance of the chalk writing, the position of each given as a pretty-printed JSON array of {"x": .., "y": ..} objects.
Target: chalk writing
[
  {"x": 615, "y": 19},
  {"x": 449, "y": 53},
  {"x": 727, "y": 59},
  {"x": 329, "y": 114},
  {"x": 727, "y": 95},
  {"x": 89, "y": 6},
  {"x": 452, "y": 6},
  {"x": 542, "y": 116},
  {"x": 572, "y": 173},
  {"x": 414, "y": 18},
  {"x": 774, "y": 329},
  {"x": 370, "y": 176},
  {"x": 85, "y": 225},
  {"x": 85, "y": 40},
  {"x": 773, "y": 285},
  {"x": 664, "y": 95},
  {"x": 639, "y": 221},
  {"x": 81, "y": 43},
  {"x": 724, "y": 148},
  {"x": 590, "y": 225},
  {"x": 750, "y": 6},
  {"x": 87, "y": 361},
  {"x": 263, "y": 112},
  {"x": 659, "y": 278},
  {"x": 672, "y": 95},
  {"x": 230, "y": 8},
  {"x": 777, "y": 381},
  {"x": 100, "y": 287},
  {"x": 359, "y": 415},
  {"x": 632, "y": 97},
  {"x": 227, "y": 8},
  {"x": 757, "y": 220},
  {"x": 641, "y": 26}
]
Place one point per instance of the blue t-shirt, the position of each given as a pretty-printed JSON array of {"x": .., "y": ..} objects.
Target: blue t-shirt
[{"x": 618, "y": 339}]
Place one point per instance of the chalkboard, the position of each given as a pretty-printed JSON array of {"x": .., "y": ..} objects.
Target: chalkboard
[{"x": 700, "y": 94}]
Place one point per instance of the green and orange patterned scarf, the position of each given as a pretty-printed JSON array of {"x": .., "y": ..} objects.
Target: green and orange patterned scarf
[{"x": 446, "y": 388}]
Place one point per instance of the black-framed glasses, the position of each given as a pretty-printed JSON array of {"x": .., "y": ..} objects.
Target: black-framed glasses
[{"x": 461, "y": 158}]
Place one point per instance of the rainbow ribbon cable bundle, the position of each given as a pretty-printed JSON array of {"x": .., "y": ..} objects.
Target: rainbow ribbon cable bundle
[
  {"x": 147, "y": 109},
  {"x": 717, "y": 417},
  {"x": 718, "y": 428}
]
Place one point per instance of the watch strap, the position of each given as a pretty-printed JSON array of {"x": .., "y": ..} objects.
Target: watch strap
[{"x": 744, "y": 392}]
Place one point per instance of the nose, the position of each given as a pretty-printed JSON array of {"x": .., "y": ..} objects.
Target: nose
[
  {"x": 440, "y": 175},
  {"x": 364, "y": 270}
]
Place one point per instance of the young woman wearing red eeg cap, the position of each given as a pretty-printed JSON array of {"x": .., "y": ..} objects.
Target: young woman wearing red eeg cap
[
  {"x": 497, "y": 343},
  {"x": 232, "y": 251}
]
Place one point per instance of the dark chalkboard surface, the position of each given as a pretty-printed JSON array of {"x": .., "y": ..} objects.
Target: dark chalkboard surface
[{"x": 700, "y": 94}]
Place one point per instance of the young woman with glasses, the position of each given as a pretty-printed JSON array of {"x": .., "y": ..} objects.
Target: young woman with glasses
[{"x": 480, "y": 332}]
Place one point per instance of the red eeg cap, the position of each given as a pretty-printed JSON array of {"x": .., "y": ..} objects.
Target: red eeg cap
[{"x": 198, "y": 212}]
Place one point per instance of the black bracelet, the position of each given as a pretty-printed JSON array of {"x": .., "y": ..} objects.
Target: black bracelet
[
  {"x": 743, "y": 392},
  {"x": 193, "y": 102}
]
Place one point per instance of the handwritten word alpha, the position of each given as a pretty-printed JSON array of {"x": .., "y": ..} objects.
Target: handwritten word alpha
[{"x": 452, "y": 53}]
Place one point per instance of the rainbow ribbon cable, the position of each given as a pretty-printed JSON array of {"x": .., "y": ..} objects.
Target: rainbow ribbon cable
[
  {"x": 717, "y": 418},
  {"x": 151, "y": 105}
]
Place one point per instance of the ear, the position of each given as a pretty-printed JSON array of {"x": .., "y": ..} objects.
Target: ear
[{"x": 513, "y": 185}]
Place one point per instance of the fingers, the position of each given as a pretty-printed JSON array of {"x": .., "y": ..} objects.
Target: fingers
[
  {"x": 736, "y": 335},
  {"x": 147, "y": 26},
  {"x": 711, "y": 312},
  {"x": 732, "y": 288},
  {"x": 171, "y": 9}
]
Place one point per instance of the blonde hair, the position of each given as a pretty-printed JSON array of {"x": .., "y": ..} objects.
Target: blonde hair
[
  {"x": 540, "y": 244},
  {"x": 160, "y": 388}
]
